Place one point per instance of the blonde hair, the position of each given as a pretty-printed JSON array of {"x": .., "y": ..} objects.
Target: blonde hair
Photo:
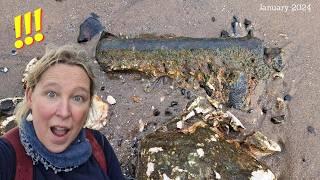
[{"x": 67, "y": 54}]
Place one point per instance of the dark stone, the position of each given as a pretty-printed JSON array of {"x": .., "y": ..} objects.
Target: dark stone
[
  {"x": 311, "y": 130},
  {"x": 13, "y": 52},
  {"x": 156, "y": 112},
  {"x": 234, "y": 27},
  {"x": 264, "y": 110},
  {"x": 102, "y": 88},
  {"x": 303, "y": 160},
  {"x": 235, "y": 19},
  {"x": 250, "y": 34},
  {"x": 213, "y": 19},
  {"x": 224, "y": 34},
  {"x": 247, "y": 23},
  {"x": 173, "y": 103},
  {"x": 189, "y": 96},
  {"x": 183, "y": 91},
  {"x": 287, "y": 97},
  {"x": 278, "y": 119},
  {"x": 89, "y": 28},
  {"x": 206, "y": 88},
  {"x": 7, "y": 107}
]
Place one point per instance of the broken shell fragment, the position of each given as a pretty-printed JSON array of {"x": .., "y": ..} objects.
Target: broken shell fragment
[
  {"x": 218, "y": 176},
  {"x": 180, "y": 124},
  {"x": 155, "y": 149},
  {"x": 262, "y": 175},
  {"x": 150, "y": 168},
  {"x": 279, "y": 75},
  {"x": 111, "y": 100},
  {"x": 141, "y": 125},
  {"x": 98, "y": 113},
  {"x": 235, "y": 122},
  {"x": 7, "y": 124},
  {"x": 260, "y": 145}
]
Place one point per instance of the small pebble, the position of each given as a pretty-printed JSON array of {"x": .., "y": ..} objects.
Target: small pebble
[
  {"x": 156, "y": 112},
  {"x": 287, "y": 97},
  {"x": 247, "y": 23},
  {"x": 4, "y": 69},
  {"x": 264, "y": 110},
  {"x": 224, "y": 34},
  {"x": 13, "y": 52},
  {"x": 102, "y": 88},
  {"x": 189, "y": 95},
  {"x": 311, "y": 130},
  {"x": 111, "y": 100},
  {"x": 250, "y": 111},
  {"x": 213, "y": 19},
  {"x": 173, "y": 103},
  {"x": 250, "y": 33},
  {"x": 183, "y": 91},
  {"x": 278, "y": 119}
]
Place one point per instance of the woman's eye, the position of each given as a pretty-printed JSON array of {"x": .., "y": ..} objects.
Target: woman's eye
[
  {"x": 78, "y": 98},
  {"x": 51, "y": 94}
]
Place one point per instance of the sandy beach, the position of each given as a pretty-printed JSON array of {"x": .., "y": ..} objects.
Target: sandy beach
[{"x": 291, "y": 25}]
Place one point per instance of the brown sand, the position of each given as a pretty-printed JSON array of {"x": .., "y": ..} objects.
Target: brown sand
[{"x": 297, "y": 32}]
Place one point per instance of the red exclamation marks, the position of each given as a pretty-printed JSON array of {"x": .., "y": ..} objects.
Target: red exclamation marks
[{"x": 28, "y": 40}]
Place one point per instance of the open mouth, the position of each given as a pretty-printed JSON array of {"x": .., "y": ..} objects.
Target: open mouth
[{"x": 59, "y": 131}]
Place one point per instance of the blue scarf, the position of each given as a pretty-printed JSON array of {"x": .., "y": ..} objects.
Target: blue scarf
[{"x": 78, "y": 152}]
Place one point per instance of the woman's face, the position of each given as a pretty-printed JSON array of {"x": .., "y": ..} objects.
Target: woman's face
[{"x": 60, "y": 103}]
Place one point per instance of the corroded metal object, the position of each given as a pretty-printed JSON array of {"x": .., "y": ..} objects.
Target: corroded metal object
[{"x": 232, "y": 65}]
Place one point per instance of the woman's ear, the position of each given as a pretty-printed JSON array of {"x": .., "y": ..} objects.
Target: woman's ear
[{"x": 28, "y": 95}]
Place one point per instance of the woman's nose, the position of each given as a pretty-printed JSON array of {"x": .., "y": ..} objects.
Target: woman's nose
[{"x": 63, "y": 109}]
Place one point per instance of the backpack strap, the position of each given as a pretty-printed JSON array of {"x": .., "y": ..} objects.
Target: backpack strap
[
  {"x": 24, "y": 167},
  {"x": 97, "y": 150}
]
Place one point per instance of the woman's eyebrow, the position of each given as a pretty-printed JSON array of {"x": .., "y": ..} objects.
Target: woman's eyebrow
[
  {"x": 51, "y": 84},
  {"x": 81, "y": 89}
]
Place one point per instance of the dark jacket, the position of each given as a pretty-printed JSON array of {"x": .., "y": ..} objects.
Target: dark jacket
[{"x": 89, "y": 170}]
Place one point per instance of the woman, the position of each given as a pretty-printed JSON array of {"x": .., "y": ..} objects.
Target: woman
[{"x": 57, "y": 100}]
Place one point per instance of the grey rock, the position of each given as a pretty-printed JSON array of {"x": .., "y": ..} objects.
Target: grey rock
[
  {"x": 278, "y": 119},
  {"x": 89, "y": 28}
]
